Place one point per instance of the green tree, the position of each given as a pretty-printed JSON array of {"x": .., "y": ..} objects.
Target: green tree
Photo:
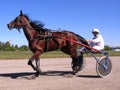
[
  {"x": 6, "y": 46},
  {"x": 24, "y": 48},
  {"x": 1, "y": 46},
  {"x": 107, "y": 48}
]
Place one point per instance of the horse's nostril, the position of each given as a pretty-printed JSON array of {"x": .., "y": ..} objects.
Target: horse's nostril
[{"x": 8, "y": 26}]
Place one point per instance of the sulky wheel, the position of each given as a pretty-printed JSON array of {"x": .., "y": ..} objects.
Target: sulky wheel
[{"x": 104, "y": 67}]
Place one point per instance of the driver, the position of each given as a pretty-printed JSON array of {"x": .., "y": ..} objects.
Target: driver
[{"x": 97, "y": 42}]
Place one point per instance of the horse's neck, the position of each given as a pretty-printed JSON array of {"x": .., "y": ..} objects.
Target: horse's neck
[{"x": 29, "y": 32}]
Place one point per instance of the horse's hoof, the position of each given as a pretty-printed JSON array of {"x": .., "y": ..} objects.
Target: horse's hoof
[
  {"x": 33, "y": 77},
  {"x": 37, "y": 75},
  {"x": 69, "y": 75},
  {"x": 74, "y": 72}
]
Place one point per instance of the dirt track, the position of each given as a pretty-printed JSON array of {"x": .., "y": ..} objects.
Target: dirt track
[{"x": 15, "y": 75}]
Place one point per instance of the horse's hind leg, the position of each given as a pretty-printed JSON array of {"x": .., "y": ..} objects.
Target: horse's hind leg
[
  {"x": 77, "y": 63},
  {"x": 74, "y": 65},
  {"x": 73, "y": 54}
]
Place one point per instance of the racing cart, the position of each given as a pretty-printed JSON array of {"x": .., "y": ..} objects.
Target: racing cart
[{"x": 103, "y": 64}]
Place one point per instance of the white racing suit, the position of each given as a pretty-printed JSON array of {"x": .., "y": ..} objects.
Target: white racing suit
[{"x": 97, "y": 42}]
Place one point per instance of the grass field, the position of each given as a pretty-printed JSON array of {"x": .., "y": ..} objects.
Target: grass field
[{"x": 28, "y": 54}]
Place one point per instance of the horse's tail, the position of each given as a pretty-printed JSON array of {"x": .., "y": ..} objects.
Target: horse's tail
[{"x": 83, "y": 40}]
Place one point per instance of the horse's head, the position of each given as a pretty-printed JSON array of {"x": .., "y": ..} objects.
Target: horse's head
[{"x": 19, "y": 22}]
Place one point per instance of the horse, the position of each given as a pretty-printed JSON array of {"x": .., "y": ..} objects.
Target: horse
[{"x": 42, "y": 40}]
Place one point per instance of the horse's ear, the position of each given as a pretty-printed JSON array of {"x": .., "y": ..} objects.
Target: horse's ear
[{"x": 21, "y": 13}]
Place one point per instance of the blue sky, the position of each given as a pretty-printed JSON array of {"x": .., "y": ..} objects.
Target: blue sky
[{"x": 79, "y": 16}]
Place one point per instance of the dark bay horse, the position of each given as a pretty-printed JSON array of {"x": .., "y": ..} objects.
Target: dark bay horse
[{"x": 42, "y": 40}]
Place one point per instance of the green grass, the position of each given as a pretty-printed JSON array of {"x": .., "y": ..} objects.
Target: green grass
[
  {"x": 14, "y": 54},
  {"x": 28, "y": 54}
]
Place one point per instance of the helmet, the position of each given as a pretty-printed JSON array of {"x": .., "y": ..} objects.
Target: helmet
[{"x": 95, "y": 30}]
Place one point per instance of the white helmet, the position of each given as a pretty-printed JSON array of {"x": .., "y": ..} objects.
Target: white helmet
[{"x": 95, "y": 30}]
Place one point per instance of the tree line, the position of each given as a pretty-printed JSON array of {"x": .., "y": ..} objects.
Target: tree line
[{"x": 5, "y": 46}]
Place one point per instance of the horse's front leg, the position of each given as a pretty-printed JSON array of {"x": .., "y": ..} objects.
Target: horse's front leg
[
  {"x": 37, "y": 61},
  {"x": 38, "y": 70},
  {"x": 31, "y": 64}
]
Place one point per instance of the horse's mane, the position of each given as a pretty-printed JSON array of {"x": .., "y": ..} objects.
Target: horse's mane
[{"x": 37, "y": 25}]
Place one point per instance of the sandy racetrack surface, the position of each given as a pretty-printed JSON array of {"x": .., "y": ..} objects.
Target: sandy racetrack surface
[{"x": 16, "y": 74}]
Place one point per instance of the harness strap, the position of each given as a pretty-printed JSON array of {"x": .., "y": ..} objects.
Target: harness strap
[{"x": 47, "y": 36}]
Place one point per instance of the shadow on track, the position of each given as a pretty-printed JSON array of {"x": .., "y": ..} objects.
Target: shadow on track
[
  {"x": 47, "y": 73},
  {"x": 16, "y": 75},
  {"x": 88, "y": 76}
]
